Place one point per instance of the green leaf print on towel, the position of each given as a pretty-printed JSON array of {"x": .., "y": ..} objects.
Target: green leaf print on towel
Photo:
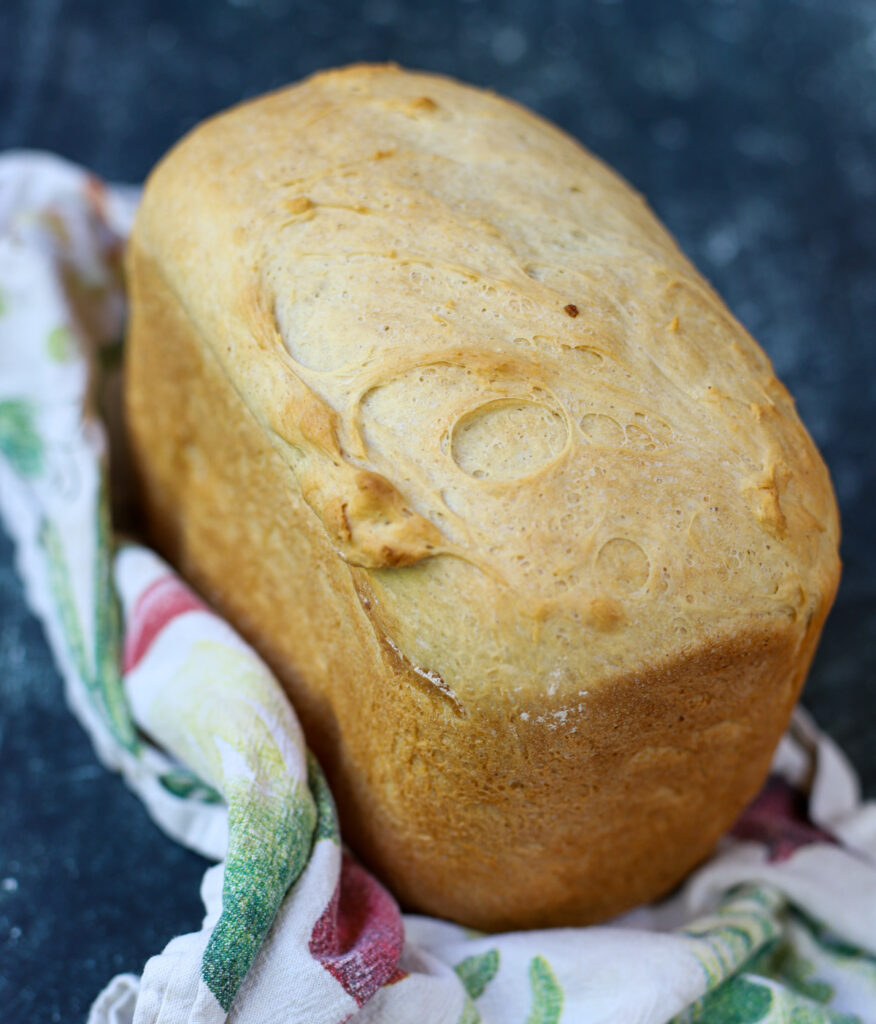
[
  {"x": 469, "y": 1013},
  {"x": 62, "y": 592},
  {"x": 108, "y": 684},
  {"x": 99, "y": 669},
  {"x": 20, "y": 443},
  {"x": 182, "y": 783},
  {"x": 752, "y": 952},
  {"x": 326, "y": 815},
  {"x": 808, "y": 961},
  {"x": 547, "y": 996},
  {"x": 269, "y": 844},
  {"x": 839, "y": 956},
  {"x": 477, "y": 971},
  {"x": 742, "y": 926},
  {"x": 737, "y": 1001},
  {"x": 222, "y": 714},
  {"x": 747, "y": 999},
  {"x": 61, "y": 345},
  {"x": 783, "y": 962}
]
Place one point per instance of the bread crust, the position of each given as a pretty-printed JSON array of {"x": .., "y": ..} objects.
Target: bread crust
[{"x": 533, "y": 711}]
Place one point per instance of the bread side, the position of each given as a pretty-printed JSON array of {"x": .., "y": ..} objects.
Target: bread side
[
  {"x": 504, "y": 814},
  {"x": 428, "y": 402}
]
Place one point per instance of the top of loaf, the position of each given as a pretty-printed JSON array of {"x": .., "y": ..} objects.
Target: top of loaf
[{"x": 547, "y": 448}]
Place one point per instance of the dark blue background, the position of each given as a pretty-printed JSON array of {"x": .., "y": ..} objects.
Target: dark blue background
[{"x": 750, "y": 127}]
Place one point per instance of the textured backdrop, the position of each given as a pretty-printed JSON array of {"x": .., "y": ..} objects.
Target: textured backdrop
[{"x": 751, "y": 129}]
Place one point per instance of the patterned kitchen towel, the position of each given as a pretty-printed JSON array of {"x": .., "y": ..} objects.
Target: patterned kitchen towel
[{"x": 780, "y": 925}]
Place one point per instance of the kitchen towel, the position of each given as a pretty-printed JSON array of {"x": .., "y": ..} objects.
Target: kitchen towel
[{"x": 779, "y": 925}]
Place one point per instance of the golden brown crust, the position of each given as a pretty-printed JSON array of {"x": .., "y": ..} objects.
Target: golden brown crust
[{"x": 426, "y": 399}]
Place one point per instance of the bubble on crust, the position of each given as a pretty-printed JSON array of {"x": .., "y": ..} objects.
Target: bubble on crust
[
  {"x": 521, "y": 305},
  {"x": 601, "y": 429},
  {"x": 707, "y": 526},
  {"x": 639, "y": 438},
  {"x": 507, "y": 439},
  {"x": 299, "y": 321},
  {"x": 603, "y": 613},
  {"x": 536, "y": 271},
  {"x": 325, "y": 325},
  {"x": 622, "y": 565},
  {"x": 656, "y": 428},
  {"x": 586, "y": 356},
  {"x": 647, "y": 432}
]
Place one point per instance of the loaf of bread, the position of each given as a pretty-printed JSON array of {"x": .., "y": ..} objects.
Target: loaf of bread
[{"x": 425, "y": 399}]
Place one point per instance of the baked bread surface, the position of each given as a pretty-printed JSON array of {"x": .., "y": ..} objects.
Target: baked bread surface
[{"x": 425, "y": 398}]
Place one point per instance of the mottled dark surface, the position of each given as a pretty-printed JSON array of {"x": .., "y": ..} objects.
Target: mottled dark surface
[{"x": 751, "y": 128}]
